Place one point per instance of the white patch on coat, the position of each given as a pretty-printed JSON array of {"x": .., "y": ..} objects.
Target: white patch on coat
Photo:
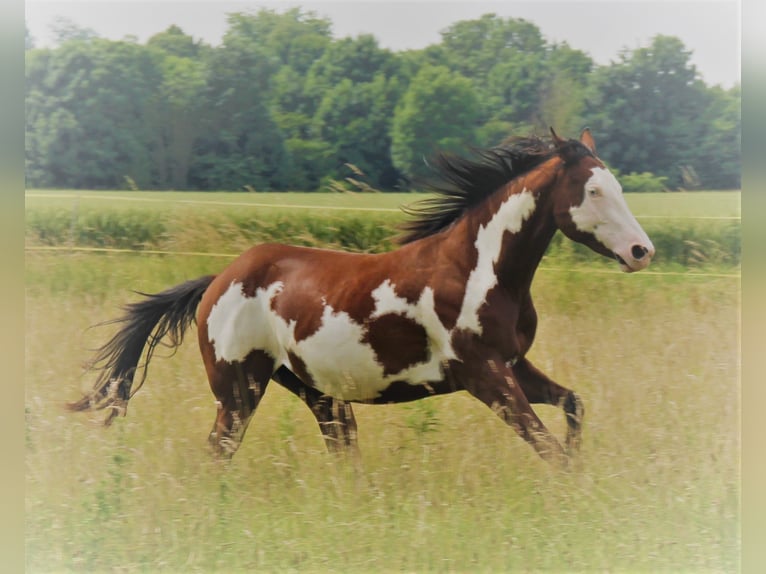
[
  {"x": 339, "y": 363},
  {"x": 605, "y": 214},
  {"x": 238, "y": 324},
  {"x": 489, "y": 242},
  {"x": 387, "y": 301},
  {"x": 335, "y": 356},
  {"x": 423, "y": 312}
]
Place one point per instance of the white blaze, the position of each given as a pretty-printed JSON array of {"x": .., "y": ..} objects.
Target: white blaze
[{"x": 604, "y": 213}]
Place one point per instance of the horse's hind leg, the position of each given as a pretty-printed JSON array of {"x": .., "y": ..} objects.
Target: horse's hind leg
[
  {"x": 238, "y": 387},
  {"x": 337, "y": 422},
  {"x": 540, "y": 389},
  {"x": 335, "y": 417}
]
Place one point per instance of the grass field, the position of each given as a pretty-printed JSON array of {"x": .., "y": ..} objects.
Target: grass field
[
  {"x": 705, "y": 204},
  {"x": 444, "y": 484},
  {"x": 688, "y": 229}
]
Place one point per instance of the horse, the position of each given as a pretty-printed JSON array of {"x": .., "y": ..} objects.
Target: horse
[{"x": 449, "y": 309}]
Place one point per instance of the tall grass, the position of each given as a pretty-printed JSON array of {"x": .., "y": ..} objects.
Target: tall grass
[
  {"x": 444, "y": 484},
  {"x": 231, "y": 224}
]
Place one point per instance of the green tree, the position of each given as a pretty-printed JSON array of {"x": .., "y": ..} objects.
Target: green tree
[
  {"x": 438, "y": 112},
  {"x": 561, "y": 100},
  {"x": 357, "y": 59},
  {"x": 715, "y": 154},
  {"x": 242, "y": 145},
  {"x": 295, "y": 39},
  {"x": 355, "y": 120},
  {"x": 513, "y": 86},
  {"x": 87, "y": 104},
  {"x": 344, "y": 111},
  {"x": 280, "y": 105},
  {"x": 508, "y": 62},
  {"x": 644, "y": 108},
  {"x": 259, "y": 112},
  {"x": 475, "y": 47},
  {"x": 174, "y": 42},
  {"x": 176, "y": 111}
]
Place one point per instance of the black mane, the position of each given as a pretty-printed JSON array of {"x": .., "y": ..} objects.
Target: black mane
[{"x": 463, "y": 183}]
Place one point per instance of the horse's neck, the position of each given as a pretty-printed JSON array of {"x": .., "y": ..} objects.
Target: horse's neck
[{"x": 514, "y": 232}]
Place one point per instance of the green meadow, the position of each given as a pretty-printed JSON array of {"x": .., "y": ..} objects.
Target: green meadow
[
  {"x": 444, "y": 485},
  {"x": 688, "y": 229}
]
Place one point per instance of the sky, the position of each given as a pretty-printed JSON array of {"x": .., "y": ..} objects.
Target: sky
[{"x": 710, "y": 29}]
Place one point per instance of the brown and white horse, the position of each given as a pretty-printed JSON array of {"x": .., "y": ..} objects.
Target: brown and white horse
[{"x": 449, "y": 310}]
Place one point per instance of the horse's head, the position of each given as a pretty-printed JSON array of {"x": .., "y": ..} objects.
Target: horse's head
[{"x": 589, "y": 206}]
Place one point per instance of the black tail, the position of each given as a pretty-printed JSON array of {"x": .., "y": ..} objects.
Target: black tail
[{"x": 144, "y": 324}]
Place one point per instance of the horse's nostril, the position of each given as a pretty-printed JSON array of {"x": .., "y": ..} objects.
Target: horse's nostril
[{"x": 638, "y": 251}]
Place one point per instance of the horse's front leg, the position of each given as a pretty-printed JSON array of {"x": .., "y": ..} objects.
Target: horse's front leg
[
  {"x": 540, "y": 389},
  {"x": 495, "y": 384}
]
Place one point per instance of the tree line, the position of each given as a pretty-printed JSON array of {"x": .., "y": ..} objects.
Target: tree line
[{"x": 282, "y": 105}]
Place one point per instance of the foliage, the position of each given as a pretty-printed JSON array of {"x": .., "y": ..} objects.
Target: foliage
[
  {"x": 438, "y": 112},
  {"x": 85, "y": 118},
  {"x": 281, "y": 104},
  {"x": 656, "y": 115},
  {"x": 443, "y": 484},
  {"x": 643, "y": 183},
  {"x": 656, "y": 486},
  {"x": 687, "y": 238},
  {"x": 353, "y": 118}
]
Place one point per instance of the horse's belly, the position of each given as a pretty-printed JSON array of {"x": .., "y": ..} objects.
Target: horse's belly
[{"x": 353, "y": 362}]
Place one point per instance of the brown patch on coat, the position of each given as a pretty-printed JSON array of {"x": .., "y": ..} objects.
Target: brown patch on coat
[{"x": 398, "y": 342}]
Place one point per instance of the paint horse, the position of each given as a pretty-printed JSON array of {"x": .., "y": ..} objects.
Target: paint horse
[{"x": 448, "y": 310}]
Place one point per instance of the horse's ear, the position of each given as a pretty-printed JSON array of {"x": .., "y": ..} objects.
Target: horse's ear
[
  {"x": 586, "y": 138},
  {"x": 557, "y": 141}
]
